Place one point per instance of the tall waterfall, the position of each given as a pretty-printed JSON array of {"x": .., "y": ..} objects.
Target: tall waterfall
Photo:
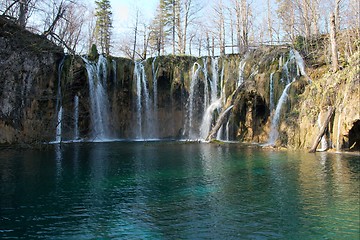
[
  {"x": 97, "y": 76},
  {"x": 214, "y": 79},
  {"x": 191, "y": 104},
  {"x": 206, "y": 80},
  {"x": 215, "y": 102},
  {"x": 155, "y": 125},
  {"x": 59, "y": 107},
  {"x": 144, "y": 105}
]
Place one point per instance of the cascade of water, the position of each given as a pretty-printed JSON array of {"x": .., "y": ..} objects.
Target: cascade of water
[
  {"x": 271, "y": 91},
  {"x": 76, "y": 117},
  {"x": 97, "y": 76},
  {"x": 219, "y": 135},
  {"x": 214, "y": 79},
  {"x": 154, "y": 73},
  {"x": 114, "y": 70},
  {"x": 137, "y": 76},
  {"x": 274, "y": 133},
  {"x": 299, "y": 62},
  {"x": 222, "y": 84},
  {"x": 208, "y": 117},
  {"x": 242, "y": 65},
  {"x": 285, "y": 68},
  {"x": 59, "y": 108},
  {"x": 323, "y": 143},
  {"x": 227, "y": 129},
  {"x": 206, "y": 85},
  {"x": 155, "y": 126},
  {"x": 191, "y": 102},
  {"x": 281, "y": 61},
  {"x": 144, "y": 111},
  {"x": 58, "y": 127}
]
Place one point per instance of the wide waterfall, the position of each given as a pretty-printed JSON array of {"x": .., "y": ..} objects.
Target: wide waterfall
[{"x": 100, "y": 117}]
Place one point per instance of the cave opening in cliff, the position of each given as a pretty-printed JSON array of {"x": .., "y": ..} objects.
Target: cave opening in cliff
[{"x": 354, "y": 136}]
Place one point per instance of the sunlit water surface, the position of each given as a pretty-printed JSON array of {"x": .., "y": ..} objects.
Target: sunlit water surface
[{"x": 171, "y": 190}]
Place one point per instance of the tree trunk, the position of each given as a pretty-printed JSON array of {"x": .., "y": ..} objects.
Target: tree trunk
[
  {"x": 221, "y": 120},
  {"x": 23, "y": 12},
  {"x": 322, "y": 130},
  {"x": 334, "y": 51}
]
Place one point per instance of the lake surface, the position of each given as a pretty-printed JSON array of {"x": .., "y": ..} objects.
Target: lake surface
[{"x": 172, "y": 190}]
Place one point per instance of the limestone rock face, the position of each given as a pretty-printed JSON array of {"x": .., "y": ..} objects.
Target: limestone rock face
[{"x": 28, "y": 80}]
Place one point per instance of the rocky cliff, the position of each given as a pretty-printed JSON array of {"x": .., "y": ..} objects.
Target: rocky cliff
[
  {"x": 28, "y": 84},
  {"x": 269, "y": 96}
]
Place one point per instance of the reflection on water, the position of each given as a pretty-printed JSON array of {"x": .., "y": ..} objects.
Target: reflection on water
[{"x": 165, "y": 190}]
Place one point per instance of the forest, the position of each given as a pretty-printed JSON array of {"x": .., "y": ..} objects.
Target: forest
[{"x": 191, "y": 27}]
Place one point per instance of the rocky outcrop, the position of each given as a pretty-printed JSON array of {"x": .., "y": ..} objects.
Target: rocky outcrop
[{"x": 28, "y": 85}]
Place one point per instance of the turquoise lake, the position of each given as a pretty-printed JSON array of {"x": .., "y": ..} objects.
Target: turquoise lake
[{"x": 177, "y": 190}]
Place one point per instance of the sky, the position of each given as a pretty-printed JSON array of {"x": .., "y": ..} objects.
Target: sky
[{"x": 123, "y": 10}]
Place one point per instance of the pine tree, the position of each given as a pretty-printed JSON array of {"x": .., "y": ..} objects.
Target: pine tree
[{"x": 103, "y": 25}]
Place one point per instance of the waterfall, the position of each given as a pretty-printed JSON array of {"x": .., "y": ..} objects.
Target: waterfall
[
  {"x": 214, "y": 79},
  {"x": 208, "y": 117},
  {"x": 299, "y": 63},
  {"x": 227, "y": 130},
  {"x": 271, "y": 91},
  {"x": 59, "y": 108},
  {"x": 114, "y": 70},
  {"x": 215, "y": 102},
  {"x": 324, "y": 145},
  {"x": 274, "y": 133},
  {"x": 76, "y": 117},
  {"x": 285, "y": 68},
  {"x": 222, "y": 87},
  {"x": 191, "y": 110},
  {"x": 58, "y": 126},
  {"x": 155, "y": 126},
  {"x": 97, "y": 76},
  {"x": 219, "y": 135},
  {"x": 137, "y": 76},
  {"x": 144, "y": 111},
  {"x": 281, "y": 61},
  {"x": 242, "y": 65},
  {"x": 206, "y": 85}
]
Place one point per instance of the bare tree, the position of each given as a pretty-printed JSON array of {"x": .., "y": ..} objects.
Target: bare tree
[{"x": 334, "y": 50}]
